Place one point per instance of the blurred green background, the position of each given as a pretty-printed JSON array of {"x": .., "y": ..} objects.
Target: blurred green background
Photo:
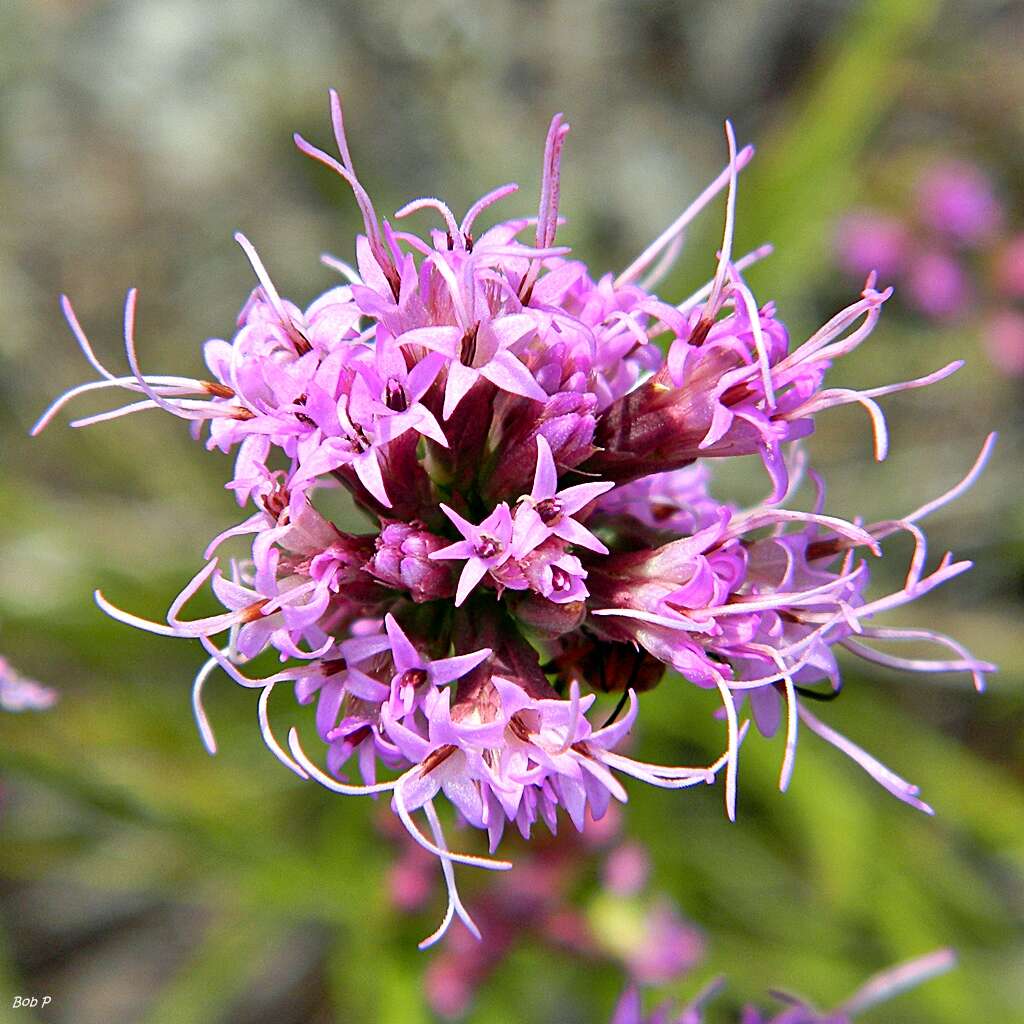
[{"x": 141, "y": 880}]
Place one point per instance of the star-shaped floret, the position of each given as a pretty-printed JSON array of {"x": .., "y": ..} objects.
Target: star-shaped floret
[{"x": 547, "y": 512}]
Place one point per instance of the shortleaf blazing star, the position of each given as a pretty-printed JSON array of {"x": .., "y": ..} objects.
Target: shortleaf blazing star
[{"x": 530, "y": 446}]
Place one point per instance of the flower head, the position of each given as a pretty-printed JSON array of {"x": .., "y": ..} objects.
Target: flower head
[{"x": 529, "y": 442}]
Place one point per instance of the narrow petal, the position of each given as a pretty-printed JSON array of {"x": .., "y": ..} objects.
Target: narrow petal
[
  {"x": 508, "y": 373},
  {"x": 545, "y": 477},
  {"x": 472, "y": 573},
  {"x": 403, "y": 652},
  {"x": 460, "y": 379},
  {"x": 448, "y": 669}
]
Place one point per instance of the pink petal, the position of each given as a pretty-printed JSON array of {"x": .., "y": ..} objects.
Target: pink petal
[
  {"x": 508, "y": 373},
  {"x": 472, "y": 573},
  {"x": 545, "y": 477},
  {"x": 460, "y": 379},
  {"x": 368, "y": 470}
]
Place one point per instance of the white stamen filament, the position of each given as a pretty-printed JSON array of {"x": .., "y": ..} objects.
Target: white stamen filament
[{"x": 679, "y": 224}]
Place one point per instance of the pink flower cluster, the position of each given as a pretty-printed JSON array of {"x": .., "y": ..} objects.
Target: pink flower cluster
[
  {"x": 529, "y": 444},
  {"x": 951, "y": 252}
]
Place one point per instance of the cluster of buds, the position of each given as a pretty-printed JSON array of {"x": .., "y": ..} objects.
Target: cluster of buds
[
  {"x": 950, "y": 251},
  {"x": 530, "y": 445}
]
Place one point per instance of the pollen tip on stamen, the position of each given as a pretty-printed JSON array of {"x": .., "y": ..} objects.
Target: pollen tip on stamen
[
  {"x": 700, "y": 331},
  {"x": 253, "y": 611}
]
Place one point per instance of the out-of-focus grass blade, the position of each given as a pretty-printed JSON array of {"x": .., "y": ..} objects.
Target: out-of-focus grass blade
[{"x": 368, "y": 983}]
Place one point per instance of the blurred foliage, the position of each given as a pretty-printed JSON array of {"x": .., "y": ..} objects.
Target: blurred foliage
[{"x": 142, "y": 881}]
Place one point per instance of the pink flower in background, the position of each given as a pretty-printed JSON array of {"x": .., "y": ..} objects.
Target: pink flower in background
[
  {"x": 947, "y": 255},
  {"x": 626, "y": 870},
  {"x": 1004, "y": 340},
  {"x": 17, "y": 693},
  {"x": 529, "y": 444},
  {"x": 937, "y": 285},
  {"x": 872, "y": 242},
  {"x": 669, "y": 948},
  {"x": 956, "y": 198},
  {"x": 1009, "y": 270}
]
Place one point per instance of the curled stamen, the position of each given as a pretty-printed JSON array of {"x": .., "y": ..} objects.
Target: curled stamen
[
  {"x": 184, "y": 410},
  {"x": 946, "y": 571},
  {"x": 744, "y": 603},
  {"x": 325, "y": 780},
  {"x": 821, "y": 346},
  {"x": 757, "y": 518},
  {"x": 789, "y": 756},
  {"x": 748, "y": 260},
  {"x": 167, "y": 387},
  {"x": 733, "y": 746},
  {"x": 203, "y": 411},
  {"x": 455, "y": 905},
  {"x": 232, "y": 671},
  {"x": 965, "y": 662},
  {"x": 82, "y": 339},
  {"x": 679, "y": 224},
  {"x": 899, "y": 787},
  {"x": 268, "y": 734},
  {"x": 550, "y": 192},
  {"x": 157, "y": 388},
  {"x": 346, "y": 171},
  {"x": 725, "y": 254},
  {"x": 428, "y": 202},
  {"x": 953, "y": 493},
  {"x": 294, "y": 331},
  {"x": 667, "y": 777},
  {"x": 134, "y": 620},
  {"x": 754, "y": 316},
  {"x": 202, "y": 721},
  {"x": 483, "y": 203},
  {"x": 438, "y": 851},
  {"x": 843, "y": 396}
]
